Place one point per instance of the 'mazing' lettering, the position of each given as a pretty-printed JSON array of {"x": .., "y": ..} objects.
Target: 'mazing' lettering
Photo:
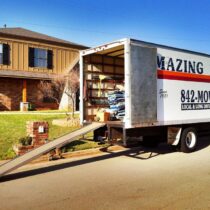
[{"x": 179, "y": 65}]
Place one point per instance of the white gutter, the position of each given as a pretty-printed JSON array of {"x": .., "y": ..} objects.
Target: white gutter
[{"x": 81, "y": 104}]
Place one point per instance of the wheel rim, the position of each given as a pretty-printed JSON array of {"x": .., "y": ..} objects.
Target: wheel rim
[{"x": 190, "y": 139}]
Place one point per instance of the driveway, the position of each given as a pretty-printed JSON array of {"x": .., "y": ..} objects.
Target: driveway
[{"x": 133, "y": 179}]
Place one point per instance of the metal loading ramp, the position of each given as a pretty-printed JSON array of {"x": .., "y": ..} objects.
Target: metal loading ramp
[{"x": 57, "y": 143}]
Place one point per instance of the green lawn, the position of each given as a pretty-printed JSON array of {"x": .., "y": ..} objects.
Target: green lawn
[{"x": 13, "y": 127}]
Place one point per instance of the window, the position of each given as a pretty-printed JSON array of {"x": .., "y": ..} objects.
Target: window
[
  {"x": 40, "y": 58},
  {"x": 4, "y": 54}
]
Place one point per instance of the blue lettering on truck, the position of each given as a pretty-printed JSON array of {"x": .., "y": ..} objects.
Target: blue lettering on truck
[
  {"x": 179, "y": 65},
  {"x": 195, "y": 99}
]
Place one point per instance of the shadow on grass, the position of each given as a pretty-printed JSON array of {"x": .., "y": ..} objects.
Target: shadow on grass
[
  {"x": 140, "y": 153},
  {"x": 71, "y": 145}
]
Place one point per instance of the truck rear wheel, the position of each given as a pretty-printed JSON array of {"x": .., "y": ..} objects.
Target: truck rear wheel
[{"x": 188, "y": 140}]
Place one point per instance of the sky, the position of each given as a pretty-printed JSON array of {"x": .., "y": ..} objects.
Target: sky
[{"x": 178, "y": 23}]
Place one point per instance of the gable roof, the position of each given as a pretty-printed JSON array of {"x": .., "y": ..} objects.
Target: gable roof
[{"x": 26, "y": 34}]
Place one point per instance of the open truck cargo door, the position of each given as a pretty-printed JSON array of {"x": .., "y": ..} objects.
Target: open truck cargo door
[{"x": 143, "y": 84}]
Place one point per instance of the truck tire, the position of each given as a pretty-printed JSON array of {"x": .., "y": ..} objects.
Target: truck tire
[{"x": 188, "y": 140}]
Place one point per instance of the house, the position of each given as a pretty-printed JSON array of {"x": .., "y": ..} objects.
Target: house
[{"x": 26, "y": 58}]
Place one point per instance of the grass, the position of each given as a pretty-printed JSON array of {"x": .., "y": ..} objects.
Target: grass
[
  {"x": 40, "y": 111},
  {"x": 81, "y": 145},
  {"x": 13, "y": 127}
]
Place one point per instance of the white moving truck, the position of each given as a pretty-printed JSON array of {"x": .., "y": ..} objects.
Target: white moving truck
[{"x": 166, "y": 91}]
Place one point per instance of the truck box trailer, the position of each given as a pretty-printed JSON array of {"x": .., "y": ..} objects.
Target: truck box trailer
[{"x": 164, "y": 91}]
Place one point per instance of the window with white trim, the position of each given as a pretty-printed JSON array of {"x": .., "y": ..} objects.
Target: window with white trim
[{"x": 4, "y": 54}]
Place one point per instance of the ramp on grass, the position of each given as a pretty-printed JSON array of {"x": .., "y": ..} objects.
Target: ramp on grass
[{"x": 57, "y": 143}]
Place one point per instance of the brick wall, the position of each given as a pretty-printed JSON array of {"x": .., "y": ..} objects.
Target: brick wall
[
  {"x": 11, "y": 94},
  {"x": 38, "y": 138},
  {"x": 35, "y": 97}
]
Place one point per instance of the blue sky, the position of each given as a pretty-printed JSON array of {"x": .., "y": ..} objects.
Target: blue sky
[{"x": 178, "y": 23}]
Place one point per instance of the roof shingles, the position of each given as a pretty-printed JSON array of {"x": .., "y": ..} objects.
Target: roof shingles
[{"x": 28, "y": 34}]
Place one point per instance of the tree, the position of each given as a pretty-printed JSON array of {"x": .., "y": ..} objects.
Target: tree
[
  {"x": 72, "y": 86},
  {"x": 67, "y": 84},
  {"x": 53, "y": 89}
]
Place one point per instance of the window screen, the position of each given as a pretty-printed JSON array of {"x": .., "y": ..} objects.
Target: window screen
[{"x": 40, "y": 58}]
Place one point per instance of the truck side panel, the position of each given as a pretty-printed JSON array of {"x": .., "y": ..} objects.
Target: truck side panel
[{"x": 183, "y": 92}]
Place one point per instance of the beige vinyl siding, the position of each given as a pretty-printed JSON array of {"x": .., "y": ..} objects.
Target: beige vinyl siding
[{"x": 62, "y": 56}]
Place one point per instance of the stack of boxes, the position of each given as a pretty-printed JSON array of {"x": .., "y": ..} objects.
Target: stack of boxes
[{"x": 116, "y": 100}]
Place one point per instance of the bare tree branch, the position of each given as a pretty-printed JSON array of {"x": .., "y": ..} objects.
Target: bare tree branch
[
  {"x": 68, "y": 84},
  {"x": 53, "y": 89},
  {"x": 72, "y": 86}
]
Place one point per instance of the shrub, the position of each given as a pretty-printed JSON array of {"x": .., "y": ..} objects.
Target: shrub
[
  {"x": 31, "y": 107},
  {"x": 25, "y": 141}
]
